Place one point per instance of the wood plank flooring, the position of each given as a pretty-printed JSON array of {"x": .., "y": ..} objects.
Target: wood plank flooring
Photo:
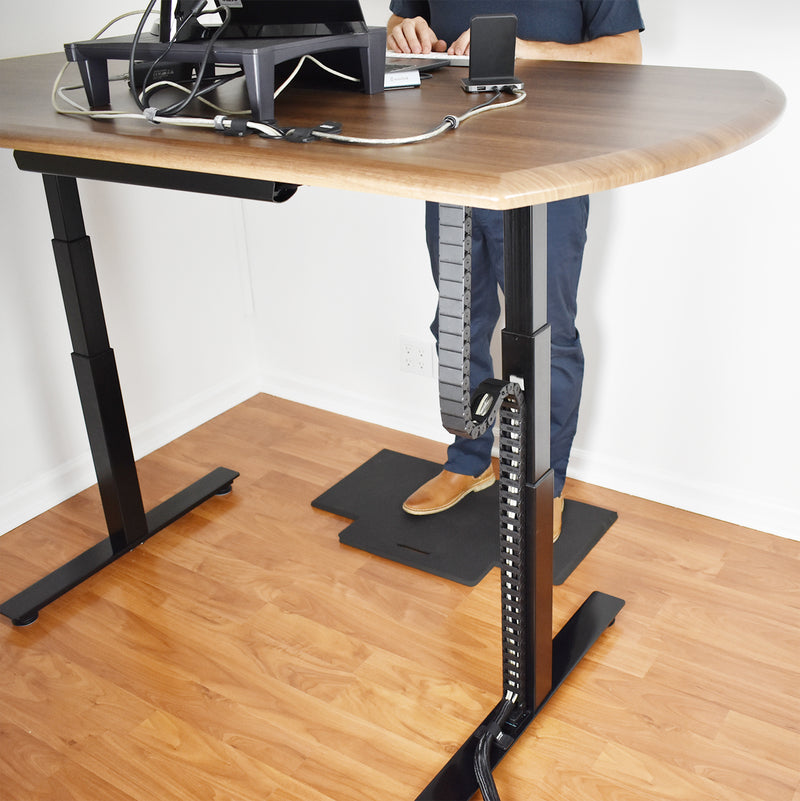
[{"x": 244, "y": 654}]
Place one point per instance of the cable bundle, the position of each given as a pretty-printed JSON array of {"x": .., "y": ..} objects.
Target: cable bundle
[{"x": 482, "y": 761}]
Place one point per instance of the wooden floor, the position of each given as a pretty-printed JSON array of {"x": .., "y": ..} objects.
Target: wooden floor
[{"x": 244, "y": 654}]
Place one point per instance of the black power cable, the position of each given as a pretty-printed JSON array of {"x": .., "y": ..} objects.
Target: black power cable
[
  {"x": 176, "y": 108},
  {"x": 190, "y": 17},
  {"x": 482, "y": 760},
  {"x": 132, "y": 57}
]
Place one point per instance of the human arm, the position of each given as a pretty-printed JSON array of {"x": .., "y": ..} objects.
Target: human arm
[
  {"x": 622, "y": 48},
  {"x": 412, "y": 35}
]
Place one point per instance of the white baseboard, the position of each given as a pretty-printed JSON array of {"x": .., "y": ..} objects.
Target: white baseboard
[
  {"x": 716, "y": 501},
  {"x": 194, "y": 412},
  {"x": 711, "y": 500},
  {"x": 27, "y": 501},
  {"x": 422, "y": 422},
  {"x": 54, "y": 486}
]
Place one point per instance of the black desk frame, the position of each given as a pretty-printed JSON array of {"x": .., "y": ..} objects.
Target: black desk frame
[
  {"x": 127, "y": 523},
  {"x": 547, "y": 661}
]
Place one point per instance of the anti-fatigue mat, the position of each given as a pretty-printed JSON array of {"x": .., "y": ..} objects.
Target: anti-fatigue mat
[{"x": 460, "y": 544}]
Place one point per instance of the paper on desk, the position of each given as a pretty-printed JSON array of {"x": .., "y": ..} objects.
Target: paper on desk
[{"x": 401, "y": 79}]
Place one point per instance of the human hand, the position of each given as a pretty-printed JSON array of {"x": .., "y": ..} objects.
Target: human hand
[
  {"x": 414, "y": 36},
  {"x": 461, "y": 45}
]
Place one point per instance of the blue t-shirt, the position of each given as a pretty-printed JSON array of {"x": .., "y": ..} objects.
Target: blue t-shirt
[{"x": 565, "y": 21}]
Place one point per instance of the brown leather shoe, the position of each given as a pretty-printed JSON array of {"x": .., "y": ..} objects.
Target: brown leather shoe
[
  {"x": 446, "y": 490},
  {"x": 558, "y": 512}
]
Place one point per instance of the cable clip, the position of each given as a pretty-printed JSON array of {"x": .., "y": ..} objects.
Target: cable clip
[
  {"x": 150, "y": 115},
  {"x": 237, "y": 128},
  {"x": 300, "y": 135},
  {"x": 454, "y": 123},
  {"x": 231, "y": 127}
]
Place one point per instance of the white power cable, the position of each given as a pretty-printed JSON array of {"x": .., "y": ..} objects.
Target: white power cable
[
  {"x": 450, "y": 121},
  {"x": 319, "y": 64},
  {"x": 172, "y": 85}
]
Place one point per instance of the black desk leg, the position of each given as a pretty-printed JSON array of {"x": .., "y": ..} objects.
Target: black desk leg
[
  {"x": 544, "y": 661},
  {"x": 104, "y": 413}
]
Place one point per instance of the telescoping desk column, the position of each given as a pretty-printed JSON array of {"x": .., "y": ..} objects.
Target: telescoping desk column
[
  {"x": 127, "y": 523},
  {"x": 585, "y": 128}
]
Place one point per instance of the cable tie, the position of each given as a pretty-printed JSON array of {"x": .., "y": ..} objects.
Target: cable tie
[
  {"x": 219, "y": 122},
  {"x": 150, "y": 115}
]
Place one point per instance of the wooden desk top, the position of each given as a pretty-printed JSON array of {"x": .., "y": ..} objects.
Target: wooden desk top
[{"x": 583, "y": 128}]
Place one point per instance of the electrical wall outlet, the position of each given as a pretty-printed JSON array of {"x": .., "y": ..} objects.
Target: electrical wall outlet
[{"x": 416, "y": 356}]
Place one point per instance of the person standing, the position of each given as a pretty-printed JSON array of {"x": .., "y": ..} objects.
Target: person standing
[{"x": 563, "y": 30}]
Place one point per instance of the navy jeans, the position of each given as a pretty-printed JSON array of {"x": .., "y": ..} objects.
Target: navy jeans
[{"x": 566, "y": 238}]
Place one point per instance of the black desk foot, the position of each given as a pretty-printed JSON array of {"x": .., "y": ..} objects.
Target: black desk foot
[
  {"x": 23, "y": 608},
  {"x": 456, "y": 781}
]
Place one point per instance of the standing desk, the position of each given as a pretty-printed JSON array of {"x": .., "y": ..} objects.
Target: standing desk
[{"x": 584, "y": 128}]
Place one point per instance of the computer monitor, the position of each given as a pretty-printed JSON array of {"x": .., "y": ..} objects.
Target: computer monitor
[{"x": 281, "y": 19}]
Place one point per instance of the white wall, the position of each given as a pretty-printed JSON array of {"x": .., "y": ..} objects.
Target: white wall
[
  {"x": 690, "y": 296},
  {"x": 181, "y": 327},
  {"x": 687, "y": 304}
]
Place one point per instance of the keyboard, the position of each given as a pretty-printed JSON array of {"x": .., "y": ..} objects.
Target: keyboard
[{"x": 455, "y": 61}]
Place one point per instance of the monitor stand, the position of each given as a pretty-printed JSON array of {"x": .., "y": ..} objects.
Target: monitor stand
[{"x": 365, "y": 53}]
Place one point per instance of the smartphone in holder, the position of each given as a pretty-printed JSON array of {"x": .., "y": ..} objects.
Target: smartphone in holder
[{"x": 492, "y": 49}]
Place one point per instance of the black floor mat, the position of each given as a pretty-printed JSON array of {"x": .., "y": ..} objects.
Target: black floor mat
[{"x": 460, "y": 544}]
